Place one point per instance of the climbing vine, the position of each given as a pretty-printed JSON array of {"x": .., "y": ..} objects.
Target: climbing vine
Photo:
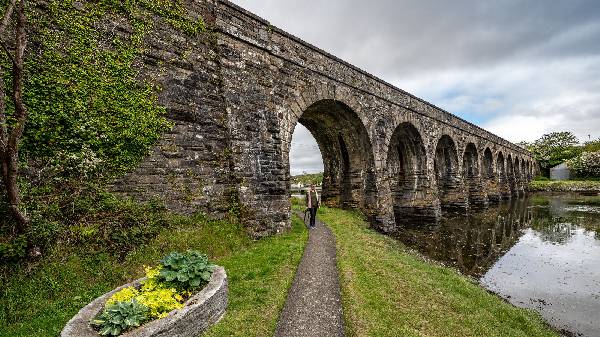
[{"x": 91, "y": 116}]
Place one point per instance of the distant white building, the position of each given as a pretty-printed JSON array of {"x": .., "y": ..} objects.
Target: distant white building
[
  {"x": 297, "y": 186},
  {"x": 560, "y": 172}
]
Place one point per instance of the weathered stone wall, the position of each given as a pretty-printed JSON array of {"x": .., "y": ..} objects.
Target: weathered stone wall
[
  {"x": 240, "y": 95},
  {"x": 190, "y": 167}
]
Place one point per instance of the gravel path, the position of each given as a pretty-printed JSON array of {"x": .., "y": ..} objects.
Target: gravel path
[{"x": 313, "y": 306}]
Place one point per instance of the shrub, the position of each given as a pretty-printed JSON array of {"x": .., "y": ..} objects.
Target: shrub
[
  {"x": 187, "y": 271},
  {"x": 120, "y": 316},
  {"x": 586, "y": 165}
]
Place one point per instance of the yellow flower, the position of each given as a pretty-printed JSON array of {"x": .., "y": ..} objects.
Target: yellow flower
[
  {"x": 160, "y": 301},
  {"x": 123, "y": 295},
  {"x": 151, "y": 282},
  {"x": 152, "y": 273}
]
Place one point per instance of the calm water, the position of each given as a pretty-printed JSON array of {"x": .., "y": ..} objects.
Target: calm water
[{"x": 541, "y": 252}]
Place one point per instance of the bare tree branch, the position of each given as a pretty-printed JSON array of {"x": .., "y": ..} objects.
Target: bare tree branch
[
  {"x": 7, "y": 15},
  {"x": 3, "y": 24},
  {"x": 10, "y": 153}
]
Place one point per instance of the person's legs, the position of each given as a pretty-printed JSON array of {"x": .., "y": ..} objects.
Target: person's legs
[{"x": 313, "y": 215}]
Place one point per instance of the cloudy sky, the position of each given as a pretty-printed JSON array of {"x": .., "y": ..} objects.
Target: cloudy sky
[{"x": 517, "y": 68}]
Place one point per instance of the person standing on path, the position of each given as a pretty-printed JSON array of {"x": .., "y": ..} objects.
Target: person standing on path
[{"x": 312, "y": 202}]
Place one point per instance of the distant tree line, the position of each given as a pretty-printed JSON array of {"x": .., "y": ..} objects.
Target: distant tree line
[
  {"x": 558, "y": 147},
  {"x": 308, "y": 178}
]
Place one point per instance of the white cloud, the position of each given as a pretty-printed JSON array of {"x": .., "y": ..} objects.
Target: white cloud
[{"x": 305, "y": 156}]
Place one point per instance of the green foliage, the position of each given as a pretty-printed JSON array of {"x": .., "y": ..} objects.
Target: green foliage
[
  {"x": 591, "y": 146},
  {"x": 307, "y": 179},
  {"x": 119, "y": 317},
  {"x": 187, "y": 271},
  {"x": 586, "y": 165},
  {"x": 89, "y": 115},
  {"x": 14, "y": 249},
  {"x": 37, "y": 299},
  {"x": 99, "y": 220},
  {"x": 590, "y": 186},
  {"x": 92, "y": 117},
  {"x": 554, "y": 148}
]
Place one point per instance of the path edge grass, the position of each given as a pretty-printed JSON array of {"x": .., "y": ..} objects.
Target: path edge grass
[{"x": 361, "y": 320}]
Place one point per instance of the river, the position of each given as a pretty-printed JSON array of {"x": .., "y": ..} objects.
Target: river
[{"x": 540, "y": 252}]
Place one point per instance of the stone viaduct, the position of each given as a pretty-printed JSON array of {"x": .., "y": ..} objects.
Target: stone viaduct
[{"x": 237, "y": 92}]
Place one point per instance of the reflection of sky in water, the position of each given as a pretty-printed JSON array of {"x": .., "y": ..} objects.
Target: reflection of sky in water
[
  {"x": 541, "y": 252},
  {"x": 561, "y": 280},
  {"x": 582, "y": 208}
]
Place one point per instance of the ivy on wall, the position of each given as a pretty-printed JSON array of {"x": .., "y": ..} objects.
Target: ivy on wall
[
  {"x": 88, "y": 112},
  {"x": 91, "y": 118}
]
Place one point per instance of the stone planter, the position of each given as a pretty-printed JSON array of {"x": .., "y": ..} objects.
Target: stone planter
[{"x": 199, "y": 312}]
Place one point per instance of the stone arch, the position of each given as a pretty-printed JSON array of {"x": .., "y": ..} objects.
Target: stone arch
[
  {"x": 346, "y": 150},
  {"x": 518, "y": 176},
  {"x": 471, "y": 175},
  {"x": 450, "y": 191},
  {"x": 510, "y": 175},
  {"x": 407, "y": 174},
  {"x": 489, "y": 176},
  {"x": 503, "y": 184}
]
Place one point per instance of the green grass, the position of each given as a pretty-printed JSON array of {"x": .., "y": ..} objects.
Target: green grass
[
  {"x": 40, "y": 301},
  {"x": 389, "y": 291},
  {"x": 564, "y": 186},
  {"x": 309, "y": 178}
]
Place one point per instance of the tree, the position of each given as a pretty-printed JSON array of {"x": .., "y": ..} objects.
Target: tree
[
  {"x": 13, "y": 124},
  {"x": 554, "y": 148},
  {"x": 592, "y": 146},
  {"x": 586, "y": 165}
]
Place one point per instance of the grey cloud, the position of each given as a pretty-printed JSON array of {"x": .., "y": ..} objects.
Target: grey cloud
[{"x": 521, "y": 68}]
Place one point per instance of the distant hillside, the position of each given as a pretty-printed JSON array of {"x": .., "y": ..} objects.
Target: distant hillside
[{"x": 306, "y": 179}]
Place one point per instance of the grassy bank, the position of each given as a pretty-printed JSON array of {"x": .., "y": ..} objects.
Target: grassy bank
[
  {"x": 39, "y": 300},
  {"x": 390, "y": 291},
  {"x": 565, "y": 186}
]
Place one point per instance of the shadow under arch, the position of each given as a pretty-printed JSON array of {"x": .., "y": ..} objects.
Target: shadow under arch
[
  {"x": 488, "y": 176},
  {"x": 450, "y": 187},
  {"x": 503, "y": 184},
  {"x": 472, "y": 176},
  {"x": 349, "y": 175},
  {"x": 407, "y": 176},
  {"x": 510, "y": 175}
]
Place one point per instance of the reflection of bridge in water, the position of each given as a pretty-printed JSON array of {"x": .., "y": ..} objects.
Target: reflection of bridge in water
[{"x": 472, "y": 243}]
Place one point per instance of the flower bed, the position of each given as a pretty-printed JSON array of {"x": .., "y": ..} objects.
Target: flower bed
[{"x": 181, "y": 297}]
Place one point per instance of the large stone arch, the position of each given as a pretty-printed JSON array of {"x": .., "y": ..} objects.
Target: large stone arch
[
  {"x": 524, "y": 172},
  {"x": 519, "y": 181},
  {"x": 503, "y": 177},
  {"x": 472, "y": 176},
  {"x": 347, "y": 153},
  {"x": 510, "y": 175},
  {"x": 407, "y": 176},
  {"x": 489, "y": 176},
  {"x": 450, "y": 188}
]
